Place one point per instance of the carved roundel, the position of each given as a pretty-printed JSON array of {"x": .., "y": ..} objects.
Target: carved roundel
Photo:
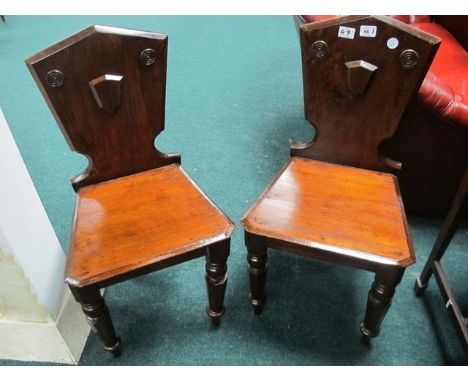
[
  {"x": 148, "y": 57},
  {"x": 409, "y": 58},
  {"x": 55, "y": 78},
  {"x": 320, "y": 48}
]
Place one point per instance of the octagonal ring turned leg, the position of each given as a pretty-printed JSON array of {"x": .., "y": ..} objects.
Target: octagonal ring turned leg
[
  {"x": 379, "y": 301},
  {"x": 98, "y": 316},
  {"x": 216, "y": 279},
  {"x": 257, "y": 267}
]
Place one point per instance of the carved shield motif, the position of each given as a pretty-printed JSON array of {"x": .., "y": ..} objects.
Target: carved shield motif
[{"x": 106, "y": 91}]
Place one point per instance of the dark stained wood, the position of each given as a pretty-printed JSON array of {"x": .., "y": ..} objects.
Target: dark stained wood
[
  {"x": 216, "y": 279},
  {"x": 257, "y": 266},
  {"x": 98, "y": 317},
  {"x": 136, "y": 210},
  {"x": 379, "y": 300},
  {"x": 120, "y": 143},
  {"x": 359, "y": 75},
  {"x": 332, "y": 201},
  {"x": 140, "y": 220},
  {"x": 351, "y": 127}
]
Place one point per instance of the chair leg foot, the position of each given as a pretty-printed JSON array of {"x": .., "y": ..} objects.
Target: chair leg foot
[
  {"x": 115, "y": 350},
  {"x": 367, "y": 335},
  {"x": 419, "y": 287},
  {"x": 215, "y": 316},
  {"x": 257, "y": 305},
  {"x": 258, "y": 309},
  {"x": 215, "y": 321}
]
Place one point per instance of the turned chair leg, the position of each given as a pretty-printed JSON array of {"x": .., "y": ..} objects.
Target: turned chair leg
[
  {"x": 379, "y": 301},
  {"x": 257, "y": 267},
  {"x": 98, "y": 316},
  {"x": 216, "y": 279}
]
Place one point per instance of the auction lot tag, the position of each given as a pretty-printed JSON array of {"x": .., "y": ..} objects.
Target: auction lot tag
[
  {"x": 368, "y": 31},
  {"x": 346, "y": 32}
]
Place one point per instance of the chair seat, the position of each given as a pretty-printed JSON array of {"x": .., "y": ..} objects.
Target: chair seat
[
  {"x": 140, "y": 220},
  {"x": 336, "y": 209}
]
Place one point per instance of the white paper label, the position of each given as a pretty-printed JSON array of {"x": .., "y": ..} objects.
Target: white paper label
[
  {"x": 368, "y": 31},
  {"x": 346, "y": 32},
  {"x": 392, "y": 42}
]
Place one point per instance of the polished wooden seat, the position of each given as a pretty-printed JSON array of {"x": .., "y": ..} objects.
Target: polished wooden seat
[
  {"x": 143, "y": 220},
  {"x": 136, "y": 209},
  {"x": 337, "y": 199},
  {"x": 354, "y": 212}
]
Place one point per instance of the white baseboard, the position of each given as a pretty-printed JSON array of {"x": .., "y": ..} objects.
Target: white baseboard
[{"x": 59, "y": 341}]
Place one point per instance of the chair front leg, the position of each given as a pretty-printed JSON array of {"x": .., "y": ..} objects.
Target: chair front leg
[
  {"x": 379, "y": 300},
  {"x": 257, "y": 267},
  {"x": 98, "y": 316},
  {"x": 216, "y": 279}
]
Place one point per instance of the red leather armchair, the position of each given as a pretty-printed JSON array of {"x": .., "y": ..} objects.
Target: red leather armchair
[{"x": 432, "y": 139}]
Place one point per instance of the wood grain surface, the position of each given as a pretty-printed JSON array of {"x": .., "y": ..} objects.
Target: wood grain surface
[
  {"x": 334, "y": 208},
  {"x": 352, "y": 117},
  {"x": 139, "y": 220},
  {"x": 120, "y": 142}
]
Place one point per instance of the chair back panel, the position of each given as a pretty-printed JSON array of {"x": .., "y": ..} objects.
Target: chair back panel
[
  {"x": 106, "y": 88},
  {"x": 359, "y": 73}
]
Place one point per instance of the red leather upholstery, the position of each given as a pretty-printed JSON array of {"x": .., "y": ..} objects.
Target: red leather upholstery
[
  {"x": 314, "y": 18},
  {"x": 445, "y": 88},
  {"x": 412, "y": 19},
  {"x": 432, "y": 139}
]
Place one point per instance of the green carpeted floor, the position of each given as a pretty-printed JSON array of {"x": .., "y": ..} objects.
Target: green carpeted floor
[{"x": 234, "y": 100}]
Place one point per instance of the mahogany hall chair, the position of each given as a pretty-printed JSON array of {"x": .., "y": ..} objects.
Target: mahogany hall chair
[
  {"x": 136, "y": 211},
  {"x": 335, "y": 199}
]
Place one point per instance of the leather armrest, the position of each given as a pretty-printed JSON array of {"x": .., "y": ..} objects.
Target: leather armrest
[
  {"x": 444, "y": 91},
  {"x": 440, "y": 99}
]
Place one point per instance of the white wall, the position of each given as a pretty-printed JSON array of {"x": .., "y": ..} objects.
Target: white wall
[{"x": 26, "y": 228}]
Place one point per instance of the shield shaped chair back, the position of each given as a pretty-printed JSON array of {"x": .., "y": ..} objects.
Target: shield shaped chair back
[
  {"x": 106, "y": 88},
  {"x": 359, "y": 73}
]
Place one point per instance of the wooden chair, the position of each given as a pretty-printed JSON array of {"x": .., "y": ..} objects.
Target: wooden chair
[
  {"x": 333, "y": 200},
  {"x": 137, "y": 211}
]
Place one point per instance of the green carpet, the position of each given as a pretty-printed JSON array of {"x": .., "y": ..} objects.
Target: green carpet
[{"x": 234, "y": 100}]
